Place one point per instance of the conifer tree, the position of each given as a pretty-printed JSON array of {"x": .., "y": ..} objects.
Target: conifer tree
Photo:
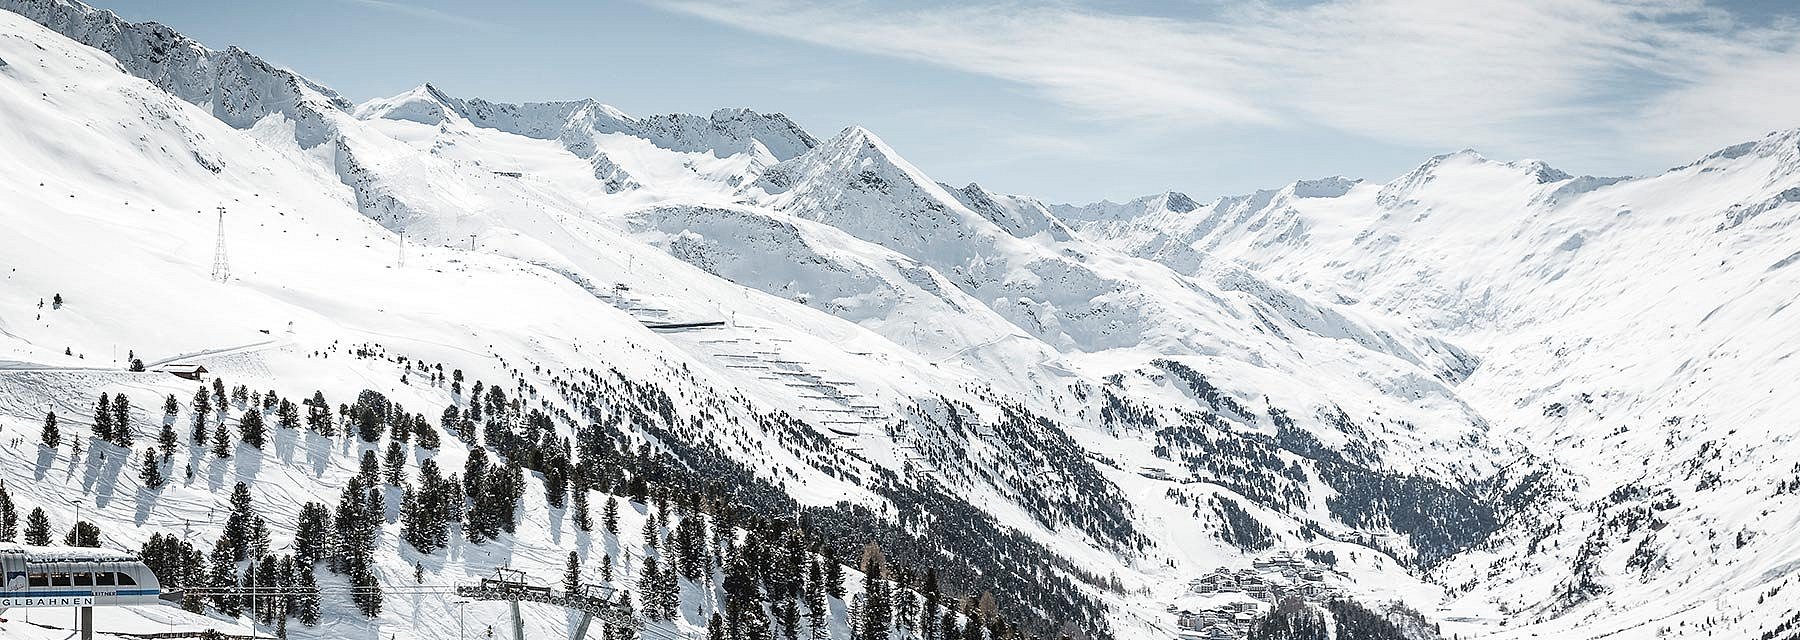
[
  {"x": 606, "y": 568},
  {"x": 221, "y": 441},
  {"x": 122, "y": 433},
  {"x": 318, "y": 414},
  {"x": 583, "y": 521},
  {"x": 239, "y": 522},
  {"x": 572, "y": 574},
  {"x": 394, "y": 469},
  {"x": 610, "y": 516},
  {"x": 877, "y": 601},
  {"x": 715, "y": 627},
  {"x": 52, "y": 435},
  {"x": 167, "y": 439},
  {"x": 427, "y": 436},
  {"x": 37, "y": 528},
  {"x": 252, "y": 429},
  {"x": 834, "y": 575},
  {"x": 103, "y": 418},
  {"x": 415, "y": 526},
  {"x": 933, "y": 599},
  {"x": 171, "y": 406},
  {"x": 649, "y": 582},
  {"x": 9, "y": 515},
  {"x": 306, "y": 594},
  {"x": 816, "y": 605},
  {"x": 83, "y": 534},
  {"x": 369, "y": 470},
  {"x": 202, "y": 407},
  {"x": 312, "y": 534},
  {"x": 287, "y": 415},
  {"x": 152, "y": 472},
  {"x": 224, "y": 576}
]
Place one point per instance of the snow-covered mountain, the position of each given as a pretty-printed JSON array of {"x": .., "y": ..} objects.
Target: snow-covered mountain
[{"x": 1491, "y": 392}]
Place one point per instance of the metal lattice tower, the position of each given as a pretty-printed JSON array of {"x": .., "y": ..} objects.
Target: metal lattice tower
[{"x": 221, "y": 264}]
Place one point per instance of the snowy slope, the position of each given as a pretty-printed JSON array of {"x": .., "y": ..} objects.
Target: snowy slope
[
  {"x": 1374, "y": 370},
  {"x": 1633, "y": 332}
]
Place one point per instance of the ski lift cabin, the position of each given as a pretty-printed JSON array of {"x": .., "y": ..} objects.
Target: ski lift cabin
[{"x": 74, "y": 577}]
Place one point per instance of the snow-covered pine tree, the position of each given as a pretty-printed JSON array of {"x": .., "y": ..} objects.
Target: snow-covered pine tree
[
  {"x": 426, "y": 434},
  {"x": 572, "y": 574},
  {"x": 394, "y": 467},
  {"x": 122, "y": 433},
  {"x": 202, "y": 407},
  {"x": 52, "y": 434},
  {"x": 318, "y": 414},
  {"x": 221, "y": 441},
  {"x": 167, "y": 439},
  {"x": 306, "y": 594},
  {"x": 583, "y": 521},
  {"x": 151, "y": 473},
  {"x": 83, "y": 534},
  {"x": 252, "y": 429},
  {"x": 287, "y": 415},
  {"x": 103, "y": 418},
  {"x": 37, "y": 528},
  {"x": 312, "y": 533},
  {"x": 9, "y": 515}
]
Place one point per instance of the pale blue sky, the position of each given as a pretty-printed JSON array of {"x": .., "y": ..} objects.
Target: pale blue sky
[{"x": 1077, "y": 101}]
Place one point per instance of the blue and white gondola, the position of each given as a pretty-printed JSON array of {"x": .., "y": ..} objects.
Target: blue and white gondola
[{"x": 74, "y": 577}]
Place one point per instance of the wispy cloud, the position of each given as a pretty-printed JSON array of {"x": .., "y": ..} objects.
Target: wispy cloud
[
  {"x": 1588, "y": 80},
  {"x": 428, "y": 13}
]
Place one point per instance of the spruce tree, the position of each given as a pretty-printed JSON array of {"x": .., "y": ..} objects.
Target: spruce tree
[
  {"x": 239, "y": 522},
  {"x": 369, "y": 470},
  {"x": 715, "y": 627},
  {"x": 306, "y": 594},
  {"x": 877, "y": 600},
  {"x": 37, "y": 528},
  {"x": 152, "y": 472},
  {"x": 312, "y": 533},
  {"x": 606, "y": 568},
  {"x": 167, "y": 439},
  {"x": 816, "y": 606},
  {"x": 221, "y": 441},
  {"x": 122, "y": 433},
  {"x": 318, "y": 414},
  {"x": 83, "y": 534},
  {"x": 252, "y": 429},
  {"x": 9, "y": 515},
  {"x": 103, "y": 418},
  {"x": 202, "y": 407},
  {"x": 171, "y": 406},
  {"x": 572, "y": 574},
  {"x": 367, "y": 590},
  {"x": 834, "y": 575},
  {"x": 933, "y": 599},
  {"x": 224, "y": 577},
  {"x": 427, "y": 436},
  {"x": 394, "y": 469},
  {"x": 52, "y": 435},
  {"x": 287, "y": 415},
  {"x": 649, "y": 583},
  {"x": 609, "y": 517},
  {"x": 583, "y": 521}
]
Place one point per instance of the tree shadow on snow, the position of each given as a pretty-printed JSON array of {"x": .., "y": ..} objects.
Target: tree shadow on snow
[{"x": 45, "y": 459}]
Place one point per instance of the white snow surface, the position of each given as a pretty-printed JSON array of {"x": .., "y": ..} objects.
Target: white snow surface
[{"x": 1472, "y": 319}]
